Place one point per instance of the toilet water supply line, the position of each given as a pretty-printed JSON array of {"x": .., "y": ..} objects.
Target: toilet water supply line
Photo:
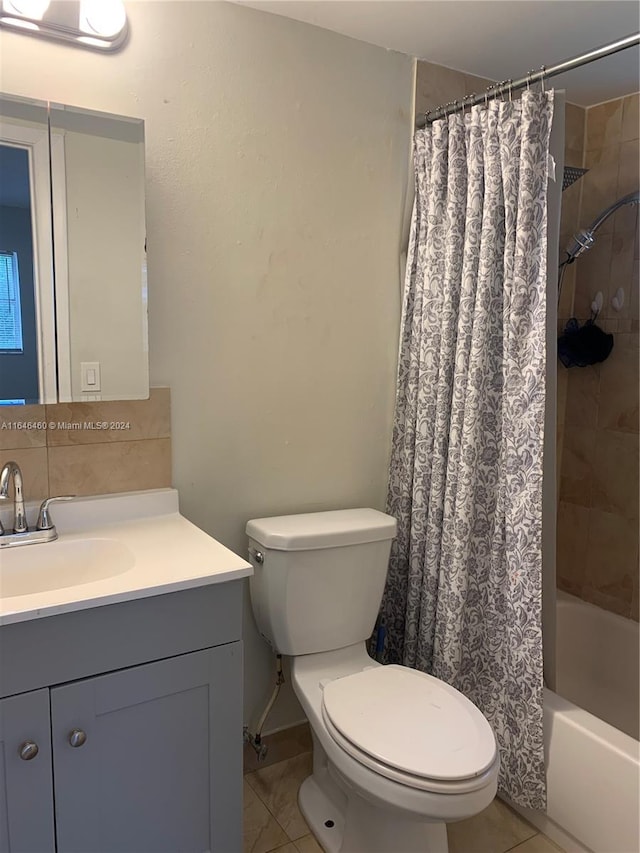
[{"x": 255, "y": 740}]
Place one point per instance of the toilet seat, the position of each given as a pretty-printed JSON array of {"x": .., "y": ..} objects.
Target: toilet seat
[{"x": 410, "y": 727}]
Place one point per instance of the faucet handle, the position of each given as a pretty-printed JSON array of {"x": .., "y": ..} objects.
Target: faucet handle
[{"x": 44, "y": 519}]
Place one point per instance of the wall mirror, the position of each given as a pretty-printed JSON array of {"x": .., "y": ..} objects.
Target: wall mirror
[{"x": 73, "y": 293}]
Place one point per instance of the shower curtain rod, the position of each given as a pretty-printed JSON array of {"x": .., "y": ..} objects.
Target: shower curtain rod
[{"x": 508, "y": 86}]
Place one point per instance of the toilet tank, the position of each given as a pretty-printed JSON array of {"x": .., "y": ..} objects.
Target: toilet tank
[{"x": 318, "y": 577}]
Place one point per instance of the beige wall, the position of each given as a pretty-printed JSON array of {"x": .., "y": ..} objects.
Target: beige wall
[
  {"x": 598, "y": 430},
  {"x": 277, "y": 161}
]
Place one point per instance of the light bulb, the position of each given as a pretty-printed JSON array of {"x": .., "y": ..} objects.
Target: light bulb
[
  {"x": 102, "y": 17},
  {"x": 26, "y": 8}
]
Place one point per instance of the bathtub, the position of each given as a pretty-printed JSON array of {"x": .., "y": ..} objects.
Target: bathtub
[
  {"x": 598, "y": 662},
  {"x": 593, "y": 765}
]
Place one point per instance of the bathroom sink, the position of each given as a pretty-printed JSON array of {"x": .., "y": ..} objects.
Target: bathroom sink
[
  {"x": 56, "y": 565},
  {"x": 110, "y": 549}
]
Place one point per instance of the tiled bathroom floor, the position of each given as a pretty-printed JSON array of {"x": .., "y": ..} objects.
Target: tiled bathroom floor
[{"x": 272, "y": 820}]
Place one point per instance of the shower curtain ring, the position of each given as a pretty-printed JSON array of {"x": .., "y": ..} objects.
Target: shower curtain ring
[
  {"x": 543, "y": 69},
  {"x": 529, "y": 73},
  {"x": 510, "y": 84}
]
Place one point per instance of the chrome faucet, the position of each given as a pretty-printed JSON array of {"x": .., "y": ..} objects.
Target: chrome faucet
[
  {"x": 9, "y": 470},
  {"x": 44, "y": 530}
]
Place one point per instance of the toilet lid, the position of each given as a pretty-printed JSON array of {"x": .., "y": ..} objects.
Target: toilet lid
[{"x": 411, "y": 721}]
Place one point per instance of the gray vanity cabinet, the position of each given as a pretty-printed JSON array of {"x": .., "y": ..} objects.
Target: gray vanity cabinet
[
  {"x": 152, "y": 774},
  {"x": 26, "y": 791},
  {"x": 136, "y": 709}
]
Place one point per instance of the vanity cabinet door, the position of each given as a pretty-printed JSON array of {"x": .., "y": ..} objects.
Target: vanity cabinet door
[
  {"x": 149, "y": 759},
  {"x": 26, "y": 788}
]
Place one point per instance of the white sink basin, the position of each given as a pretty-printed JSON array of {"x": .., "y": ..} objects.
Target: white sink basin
[
  {"x": 111, "y": 548},
  {"x": 30, "y": 569}
]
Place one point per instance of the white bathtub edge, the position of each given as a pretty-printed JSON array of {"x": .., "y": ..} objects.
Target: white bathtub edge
[{"x": 592, "y": 781}]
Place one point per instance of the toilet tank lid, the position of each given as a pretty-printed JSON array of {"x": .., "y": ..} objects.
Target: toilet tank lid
[{"x": 311, "y": 530}]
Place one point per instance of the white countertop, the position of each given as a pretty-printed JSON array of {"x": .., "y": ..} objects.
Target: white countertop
[{"x": 165, "y": 553}]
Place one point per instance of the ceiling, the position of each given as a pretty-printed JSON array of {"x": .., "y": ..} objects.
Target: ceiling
[{"x": 497, "y": 39}]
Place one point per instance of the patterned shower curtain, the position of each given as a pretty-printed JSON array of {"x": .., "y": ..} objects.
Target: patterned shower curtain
[{"x": 463, "y": 599}]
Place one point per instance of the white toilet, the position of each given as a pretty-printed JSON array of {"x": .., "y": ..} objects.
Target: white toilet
[{"x": 396, "y": 753}]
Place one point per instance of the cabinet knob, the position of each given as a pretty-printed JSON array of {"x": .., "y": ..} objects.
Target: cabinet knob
[
  {"x": 77, "y": 737},
  {"x": 28, "y": 750}
]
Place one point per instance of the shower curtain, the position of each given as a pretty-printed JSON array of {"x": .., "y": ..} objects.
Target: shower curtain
[{"x": 464, "y": 591}]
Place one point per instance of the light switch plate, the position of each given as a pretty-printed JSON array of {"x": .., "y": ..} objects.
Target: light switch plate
[{"x": 90, "y": 376}]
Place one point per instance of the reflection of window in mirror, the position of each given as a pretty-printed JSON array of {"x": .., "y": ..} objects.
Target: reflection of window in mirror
[
  {"x": 27, "y": 326},
  {"x": 18, "y": 331}
]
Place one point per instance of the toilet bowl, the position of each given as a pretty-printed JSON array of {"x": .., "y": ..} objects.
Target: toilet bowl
[
  {"x": 391, "y": 808},
  {"x": 397, "y": 754}
]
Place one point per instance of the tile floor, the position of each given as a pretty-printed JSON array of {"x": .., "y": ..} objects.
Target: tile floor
[{"x": 273, "y": 823}]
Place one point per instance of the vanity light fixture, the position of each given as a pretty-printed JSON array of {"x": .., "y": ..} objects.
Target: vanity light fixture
[{"x": 96, "y": 24}]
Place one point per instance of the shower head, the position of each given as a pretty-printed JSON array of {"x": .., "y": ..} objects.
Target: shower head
[
  {"x": 570, "y": 175},
  {"x": 584, "y": 240}
]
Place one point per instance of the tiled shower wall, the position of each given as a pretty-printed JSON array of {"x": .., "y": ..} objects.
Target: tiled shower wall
[
  {"x": 598, "y": 405},
  {"x": 89, "y": 448}
]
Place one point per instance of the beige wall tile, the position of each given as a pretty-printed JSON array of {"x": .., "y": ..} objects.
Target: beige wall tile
[
  {"x": 277, "y": 786},
  {"x": 570, "y": 212},
  {"x": 592, "y": 274},
  {"x": 573, "y": 529},
  {"x": 621, "y": 273},
  {"x": 619, "y": 390},
  {"x": 145, "y": 418},
  {"x": 627, "y": 341},
  {"x": 634, "y": 309},
  {"x": 122, "y": 466},
  {"x": 567, "y": 294},
  {"x": 615, "y": 474},
  {"x": 612, "y": 555},
  {"x": 625, "y": 219},
  {"x": 574, "y": 128},
  {"x": 33, "y": 464},
  {"x": 630, "y": 117},
  {"x": 582, "y": 397},
  {"x": 22, "y": 426},
  {"x": 629, "y": 172},
  {"x": 577, "y": 466},
  {"x": 562, "y": 384},
  {"x": 604, "y": 124},
  {"x": 559, "y": 449},
  {"x": 600, "y": 185},
  {"x": 606, "y": 602}
]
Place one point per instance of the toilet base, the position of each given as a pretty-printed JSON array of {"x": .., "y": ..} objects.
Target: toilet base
[
  {"x": 349, "y": 824},
  {"x": 325, "y": 819}
]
